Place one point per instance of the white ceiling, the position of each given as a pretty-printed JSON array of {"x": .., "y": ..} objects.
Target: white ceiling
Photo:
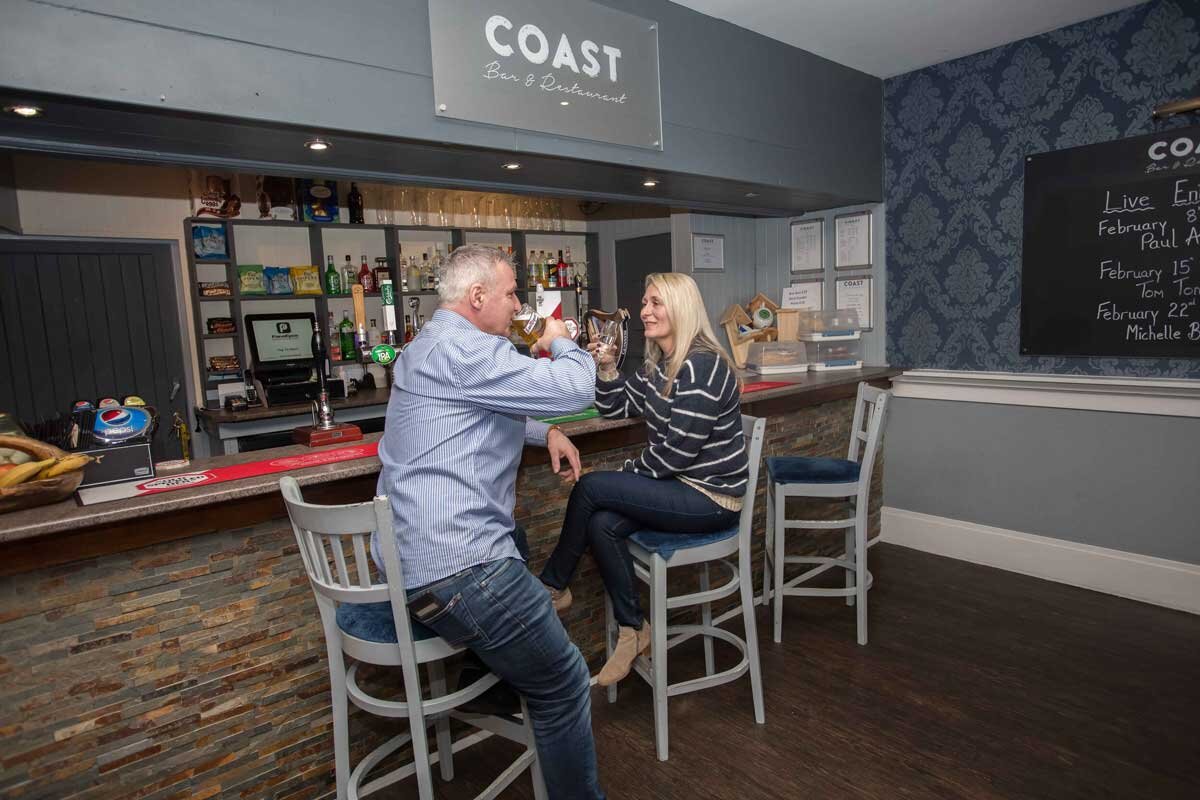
[{"x": 891, "y": 37}]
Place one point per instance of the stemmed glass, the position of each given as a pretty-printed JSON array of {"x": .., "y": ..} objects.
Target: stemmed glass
[{"x": 606, "y": 337}]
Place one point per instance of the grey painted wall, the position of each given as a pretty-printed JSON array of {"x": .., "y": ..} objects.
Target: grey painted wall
[
  {"x": 735, "y": 104},
  {"x": 1122, "y": 481},
  {"x": 758, "y": 259},
  {"x": 610, "y": 232}
]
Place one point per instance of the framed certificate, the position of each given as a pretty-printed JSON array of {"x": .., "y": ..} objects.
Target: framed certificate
[
  {"x": 708, "y": 252},
  {"x": 808, "y": 245},
  {"x": 852, "y": 233},
  {"x": 855, "y": 293},
  {"x": 806, "y": 295}
]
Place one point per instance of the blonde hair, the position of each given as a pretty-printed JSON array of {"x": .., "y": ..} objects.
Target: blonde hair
[{"x": 689, "y": 323}]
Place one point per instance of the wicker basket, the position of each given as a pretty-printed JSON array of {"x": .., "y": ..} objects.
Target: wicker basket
[{"x": 37, "y": 493}]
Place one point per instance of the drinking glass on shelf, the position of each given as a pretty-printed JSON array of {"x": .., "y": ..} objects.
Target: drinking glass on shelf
[
  {"x": 508, "y": 217},
  {"x": 476, "y": 210},
  {"x": 384, "y": 198},
  {"x": 556, "y": 215},
  {"x": 489, "y": 205},
  {"x": 460, "y": 211}
]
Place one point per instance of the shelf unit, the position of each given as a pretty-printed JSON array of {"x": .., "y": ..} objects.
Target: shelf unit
[{"x": 206, "y": 307}]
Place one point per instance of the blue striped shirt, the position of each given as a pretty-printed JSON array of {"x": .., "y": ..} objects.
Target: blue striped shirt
[{"x": 457, "y": 421}]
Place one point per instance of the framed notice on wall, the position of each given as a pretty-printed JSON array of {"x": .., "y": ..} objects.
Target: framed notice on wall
[
  {"x": 853, "y": 235},
  {"x": 855, "y": 293},
  {"x": 708, "y": 252},
  {"x": 808, "y": 252},
  {"x": 806, "y": 296}
]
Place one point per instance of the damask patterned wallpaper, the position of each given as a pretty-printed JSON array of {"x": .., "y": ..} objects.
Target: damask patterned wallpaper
[{"x": 955, "y": 136}]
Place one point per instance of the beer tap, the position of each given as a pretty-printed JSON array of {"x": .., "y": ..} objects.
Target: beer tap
[{"x": 324, "y": 429}]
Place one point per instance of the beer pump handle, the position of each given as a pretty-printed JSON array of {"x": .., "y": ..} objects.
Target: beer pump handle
[{"x": 318, "y": 349}]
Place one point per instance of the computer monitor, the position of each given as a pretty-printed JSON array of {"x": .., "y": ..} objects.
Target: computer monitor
[{"x": 281, "y": 341}]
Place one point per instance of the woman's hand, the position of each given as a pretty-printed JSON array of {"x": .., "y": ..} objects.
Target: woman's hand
[{"x": 605, "y": 355}]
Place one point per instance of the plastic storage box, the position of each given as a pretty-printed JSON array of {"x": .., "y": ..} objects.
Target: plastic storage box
[
  {"x": 769, "y": 358},
  {"x": 835, "y": 352},
  {"x": 826, "y": 324}
]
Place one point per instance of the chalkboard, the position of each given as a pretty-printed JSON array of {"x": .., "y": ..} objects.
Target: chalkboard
[{"x": 1111, "y": 263}]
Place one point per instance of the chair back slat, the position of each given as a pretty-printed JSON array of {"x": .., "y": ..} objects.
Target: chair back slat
[
  {"x": 360, "y": 558},
  {"x": 876, "y": 424},
  {"x": 866, "y": 405},
  {"x": 339, "y": 559}
]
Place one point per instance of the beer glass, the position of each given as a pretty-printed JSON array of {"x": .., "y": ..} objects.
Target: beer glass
[
  {"x": 606, "y": 338},
  {"x": 527, "y": 326}
]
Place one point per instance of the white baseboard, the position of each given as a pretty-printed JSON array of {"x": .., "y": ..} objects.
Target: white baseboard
[{"x": 1174, "y": 584}]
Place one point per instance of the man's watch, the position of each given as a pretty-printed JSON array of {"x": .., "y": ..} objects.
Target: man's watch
[{"x": 552, "y": 429}]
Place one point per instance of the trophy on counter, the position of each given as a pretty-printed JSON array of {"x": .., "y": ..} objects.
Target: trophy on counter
[{"x": 324, "y": 429}]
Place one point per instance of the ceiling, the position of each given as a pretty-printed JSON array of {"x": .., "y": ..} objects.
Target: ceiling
[{"x": 890, "y": 37}]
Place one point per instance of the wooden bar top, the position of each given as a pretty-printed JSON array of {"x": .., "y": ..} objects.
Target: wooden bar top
[{"x": 74, "y": 531}]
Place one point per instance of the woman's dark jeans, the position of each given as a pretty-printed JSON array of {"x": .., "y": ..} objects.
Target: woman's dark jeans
[{"x": 605, "y": 508}]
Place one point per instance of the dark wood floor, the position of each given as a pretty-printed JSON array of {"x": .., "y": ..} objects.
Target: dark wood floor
[{"x": 977, "y": 684}]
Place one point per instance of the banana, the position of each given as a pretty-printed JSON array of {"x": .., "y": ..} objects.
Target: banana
[
  {"x": 22, "y": 473},
  {"x": 65, "y": 464}
]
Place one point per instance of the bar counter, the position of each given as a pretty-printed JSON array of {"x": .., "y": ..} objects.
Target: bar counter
[{"x": 169, "y": 646}]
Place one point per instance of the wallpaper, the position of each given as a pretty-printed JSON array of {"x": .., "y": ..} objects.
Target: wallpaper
[{"x": 955, "y": 137}]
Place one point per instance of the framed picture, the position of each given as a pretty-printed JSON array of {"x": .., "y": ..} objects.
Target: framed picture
[
  {"x": 805, "y": 295},
  {"x": 808, "y": 245},
  {"x": 708, "y": 252},
  {"x": 852, "y": 233},
  {"x": 855, "y": 293}
]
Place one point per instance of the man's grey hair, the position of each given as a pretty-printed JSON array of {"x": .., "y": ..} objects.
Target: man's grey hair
[{"x": 468, "y": 265}]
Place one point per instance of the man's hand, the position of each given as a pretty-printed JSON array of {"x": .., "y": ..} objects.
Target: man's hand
[
  {"x": 560, "y": 447},
  {"x": 555, "y": 328}
]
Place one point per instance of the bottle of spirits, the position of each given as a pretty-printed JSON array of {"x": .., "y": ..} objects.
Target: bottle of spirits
[
  {"x": 564, "y": 274},
  {"x": 333, "y": 281},
  {"x": 552, "y": 271},
  {"x": 373, "y": 334},
  {"x": 349, "y": 274},
  {"x": 427, "y": 272},
  {"x": 408, "y": 329},
  {"x": 531, "y": 276},
  {"x": 354, "y": 202},
  {"x": 335, "y": 341},
  {"x": 346, "y": 335},
  {"x": 414, "y": 275},
  {"x": 365, "y": 277}
]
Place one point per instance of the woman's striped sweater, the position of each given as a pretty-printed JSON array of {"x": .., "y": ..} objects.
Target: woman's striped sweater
[{"x": 695, "y": 432}]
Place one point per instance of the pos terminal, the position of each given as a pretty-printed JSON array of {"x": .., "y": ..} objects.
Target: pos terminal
[{"x": 285, "y": 364}]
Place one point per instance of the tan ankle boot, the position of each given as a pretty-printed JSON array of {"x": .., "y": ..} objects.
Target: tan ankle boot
[
  {"x": 630, "y": 642},
  {"x": 561, "y": 598}
]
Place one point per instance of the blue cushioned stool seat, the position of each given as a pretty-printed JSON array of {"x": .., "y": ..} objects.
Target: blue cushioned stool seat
[
  {"x": 801, "y": 469},
  {"x": 373, "y": 622},
  {"x": 665, "y": 544}
]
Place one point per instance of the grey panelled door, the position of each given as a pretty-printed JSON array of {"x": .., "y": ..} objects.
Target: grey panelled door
[
  {"x": 84, "y": 320},
  {"x": 634, "y": 259}
]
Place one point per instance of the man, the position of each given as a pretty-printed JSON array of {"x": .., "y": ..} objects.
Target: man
[{"x": 457, "y": 421}]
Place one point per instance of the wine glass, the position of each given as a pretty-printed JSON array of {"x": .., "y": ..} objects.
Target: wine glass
[{"x": 606, "y": 337}]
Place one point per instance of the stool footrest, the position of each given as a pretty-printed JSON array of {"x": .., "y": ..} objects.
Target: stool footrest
[{"x": 819, "y": 524}]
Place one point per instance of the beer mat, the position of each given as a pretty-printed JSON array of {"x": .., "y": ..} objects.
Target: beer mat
[
  {"x": 190, "y": 480},
  {"x": 759, "y": 386},
  {"x": 591, "y": 413}
]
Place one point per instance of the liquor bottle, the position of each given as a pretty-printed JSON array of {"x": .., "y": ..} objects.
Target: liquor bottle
[
  {"x": 346, "y": 335},
  {"x": 408, "y": 329},
  {"x": 414, "y": 275},
  {"x": 366, "y": 277},
  {"x": 373, "y": 334},
  {"x": 354, "y": 201},
  {"x": 427, "y": 272},
  {"x": 335, "y": 341},
  {"x": 552, "y": 271},
  {"x": 531, "y": 270},
  {"x": 333, "y": 281},
  {"x": 349, "y": 274},
  {"x": 564, "y": 274},
  {"x": 438, "y": 262}
]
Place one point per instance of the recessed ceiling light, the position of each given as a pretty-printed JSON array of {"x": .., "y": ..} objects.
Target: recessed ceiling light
[
  {"x": 751, "y": 194},
  {"x": 649, "y": 183},
  {"x": 318, "y": 144},
  {"x": 564, "y": 102},
  {"x": 24, "y": 110},
  {"x": 511, "y": 165}
]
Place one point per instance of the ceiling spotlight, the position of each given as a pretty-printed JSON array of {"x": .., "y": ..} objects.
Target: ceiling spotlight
[
  {"x": 751, "y": 194},
  {"x": 564, "y": 102},
  {"x": 649, "y": 183},
  {"x": 510, "y": 165},
  {"x": 24, "y": 110},
  {"x": 317, "y": 144}
]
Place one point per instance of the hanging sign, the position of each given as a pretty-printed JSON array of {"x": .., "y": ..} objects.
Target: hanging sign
[{"x": 570, "y": 67}]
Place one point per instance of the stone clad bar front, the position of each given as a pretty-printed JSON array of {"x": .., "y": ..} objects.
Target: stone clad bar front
[{"x": 169, "y": 646}]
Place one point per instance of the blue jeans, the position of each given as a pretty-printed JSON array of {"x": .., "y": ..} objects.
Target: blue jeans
[
  {"x": 605, "y": 508},
  {"x": 504, "y": 615}
]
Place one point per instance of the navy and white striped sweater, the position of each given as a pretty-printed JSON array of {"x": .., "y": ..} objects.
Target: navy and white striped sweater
[{"x": 695, "y": 432}]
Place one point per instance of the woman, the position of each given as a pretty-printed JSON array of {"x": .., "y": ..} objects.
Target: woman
[{"x": 689, "y": 478}]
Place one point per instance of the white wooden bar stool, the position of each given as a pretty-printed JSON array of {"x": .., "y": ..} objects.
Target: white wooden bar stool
[
  {"x": 832, "y": 478},
  {"x": 369, "y": 622},
  {"x": 656, "y": 552}
]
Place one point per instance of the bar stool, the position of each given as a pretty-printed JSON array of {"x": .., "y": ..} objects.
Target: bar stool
[
  {"x": 798, "y": 476},
  {"x": 369, "y": 622},
  {"x": 654, "y": 553}
]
